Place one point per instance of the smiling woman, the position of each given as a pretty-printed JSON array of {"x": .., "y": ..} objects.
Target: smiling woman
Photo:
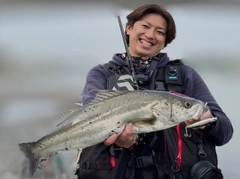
[
  {"x": 149, "y": 29},
  {"x": 147, "y": 36},
  {"x": 149, "y": 32}
]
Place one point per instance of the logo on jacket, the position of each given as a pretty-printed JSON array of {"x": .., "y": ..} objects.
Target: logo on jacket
[{"x": 124, "y": 82}]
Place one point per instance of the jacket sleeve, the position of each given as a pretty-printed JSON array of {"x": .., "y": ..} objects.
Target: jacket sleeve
[
  {"x": 195, "y": 87},
  {"x": 96, "y": 80}
]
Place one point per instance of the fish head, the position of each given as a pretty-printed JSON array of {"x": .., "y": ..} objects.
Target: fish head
[
  {"x": 173, "y": 109},
  {"x": 186, "y": 108}
]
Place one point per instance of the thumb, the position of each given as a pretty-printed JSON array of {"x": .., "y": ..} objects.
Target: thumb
[{"x": 110, "y": 140}]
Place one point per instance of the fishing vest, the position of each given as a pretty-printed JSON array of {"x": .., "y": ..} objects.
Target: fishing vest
[
  {"x": 168, "y": 154},
  {"x": 168, "y": 77}
]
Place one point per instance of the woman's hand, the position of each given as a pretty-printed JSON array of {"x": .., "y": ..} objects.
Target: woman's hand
[
  {"x": 126, "y": 139},
  {"x": 207, "y": 115}
]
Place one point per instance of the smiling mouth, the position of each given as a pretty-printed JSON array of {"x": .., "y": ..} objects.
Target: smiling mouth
[{"x": 146, "y": 42}]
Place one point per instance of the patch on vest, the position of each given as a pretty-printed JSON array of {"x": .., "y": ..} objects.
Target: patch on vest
[{"x": 123, "y": 82}]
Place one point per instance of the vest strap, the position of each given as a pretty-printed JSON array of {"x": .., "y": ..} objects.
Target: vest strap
[{"x": 95, "y": 165}]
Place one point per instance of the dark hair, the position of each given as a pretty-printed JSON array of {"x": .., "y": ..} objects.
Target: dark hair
[{"x": 141, "y": 11}]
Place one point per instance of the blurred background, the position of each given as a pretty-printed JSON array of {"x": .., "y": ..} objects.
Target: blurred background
[{"x": 47, "y": 48}]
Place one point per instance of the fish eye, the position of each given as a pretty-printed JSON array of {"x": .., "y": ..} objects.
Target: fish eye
[{"x": 188, "y": 104}]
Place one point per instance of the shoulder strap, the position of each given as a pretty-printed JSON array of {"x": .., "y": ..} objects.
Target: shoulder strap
[
  {"x": 170, "y": 77},
  {"x": 115, "y": 69}
]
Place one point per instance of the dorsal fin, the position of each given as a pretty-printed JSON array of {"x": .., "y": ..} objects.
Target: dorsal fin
[
  {"x": 100, "y": 96},
  {"x": 104, "y": 95},
  {"x": 65, "y": 117}
]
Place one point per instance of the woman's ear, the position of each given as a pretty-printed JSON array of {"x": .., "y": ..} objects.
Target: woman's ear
[{"x": 128, "y": 29}]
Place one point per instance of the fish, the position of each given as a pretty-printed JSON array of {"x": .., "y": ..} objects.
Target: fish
[{"x": 107, "y": 114}]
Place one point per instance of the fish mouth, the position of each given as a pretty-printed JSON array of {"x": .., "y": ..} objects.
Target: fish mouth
[
  {"x": 198, "y": 112},
  {"x": 205, "y": 108}
]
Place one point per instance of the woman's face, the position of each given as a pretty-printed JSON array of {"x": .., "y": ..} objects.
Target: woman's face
[{"x": 147, "y": 36}]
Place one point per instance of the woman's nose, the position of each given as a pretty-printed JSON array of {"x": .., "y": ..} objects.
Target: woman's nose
[{"x": 149, "y": 33}]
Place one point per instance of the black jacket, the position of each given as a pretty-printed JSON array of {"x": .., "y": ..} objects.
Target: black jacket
[{"x": 193, "y": 86}]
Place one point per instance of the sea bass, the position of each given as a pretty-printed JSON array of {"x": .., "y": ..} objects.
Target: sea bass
[{"x": 108, "y": 113}]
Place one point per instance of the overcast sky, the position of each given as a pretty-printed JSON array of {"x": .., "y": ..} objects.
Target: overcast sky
[{"x": 69, "y": 32}]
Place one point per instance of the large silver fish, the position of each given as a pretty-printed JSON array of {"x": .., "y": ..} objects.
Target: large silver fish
[{"x": 108, "y": 113}]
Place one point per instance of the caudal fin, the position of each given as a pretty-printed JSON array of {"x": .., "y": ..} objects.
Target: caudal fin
[{"x": 26, "y": 148}]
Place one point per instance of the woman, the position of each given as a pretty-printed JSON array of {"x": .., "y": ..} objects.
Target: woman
[{"x": 164, "y": 154}]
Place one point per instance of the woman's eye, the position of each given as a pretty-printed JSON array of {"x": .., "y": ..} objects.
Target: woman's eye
[{"x": 160, "y": 32}]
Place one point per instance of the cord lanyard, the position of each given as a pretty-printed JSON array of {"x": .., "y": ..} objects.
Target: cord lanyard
[{"x": 178, "y": 160}]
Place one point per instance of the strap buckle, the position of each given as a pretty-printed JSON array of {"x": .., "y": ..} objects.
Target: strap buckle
[{"x": 145, "y": 161}]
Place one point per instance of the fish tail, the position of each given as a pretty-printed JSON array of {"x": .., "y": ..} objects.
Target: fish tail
[{"x": 26, "y": 148}]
